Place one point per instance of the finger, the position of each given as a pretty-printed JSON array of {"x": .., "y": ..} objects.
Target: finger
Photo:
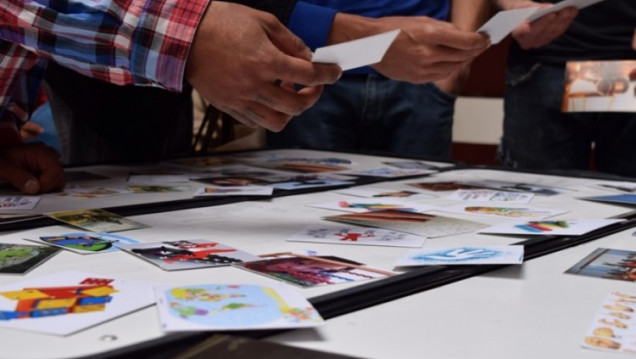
[
  {"x": 287, "y": 42},
  {"x": 44, "y": 162},
  {"x": 286, "y": 99},
  {"x": 20, "y": 178},
  {"x": 262, "y": 116},
  {"x": 454, "y": 38}
]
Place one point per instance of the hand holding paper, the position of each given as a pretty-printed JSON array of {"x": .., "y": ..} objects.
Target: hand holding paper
[{"x": 357, "y": 53}]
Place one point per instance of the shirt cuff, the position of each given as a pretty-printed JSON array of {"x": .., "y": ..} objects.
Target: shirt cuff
[{"x": 312, "y": 23}]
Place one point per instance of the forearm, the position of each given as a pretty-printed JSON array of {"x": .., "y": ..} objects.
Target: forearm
[{"x": 469, "y": 15}]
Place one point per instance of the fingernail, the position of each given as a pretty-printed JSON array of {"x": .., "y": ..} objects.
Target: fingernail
[{"x": 31, "y": 186}]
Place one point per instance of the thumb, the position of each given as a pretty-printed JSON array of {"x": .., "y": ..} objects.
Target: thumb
[{"x": 21, "y": 179}]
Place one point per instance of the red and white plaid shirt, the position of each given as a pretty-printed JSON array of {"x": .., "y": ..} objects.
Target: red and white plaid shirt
[{"x": 140, "y": 42}]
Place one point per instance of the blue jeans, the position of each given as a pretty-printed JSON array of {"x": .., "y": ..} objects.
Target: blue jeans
[
  {"x": 537, "y": 135},
  {"x": 373, "y": 114}
]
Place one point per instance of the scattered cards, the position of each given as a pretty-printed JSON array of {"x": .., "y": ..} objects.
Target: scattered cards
[
  {"x": 233, "y": 307},
  {"x": 614, "y": 326},
  {"x": 512, "y": 254},
  {"x": 96, "y": 220},
  {"x": 189, "y": 254}
]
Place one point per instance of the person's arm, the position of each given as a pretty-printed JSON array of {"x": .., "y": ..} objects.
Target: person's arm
[
  {"x": 542, "y": 31},
  {"x": 467, "y": 15},
  {"x": 426, "y": 49}
]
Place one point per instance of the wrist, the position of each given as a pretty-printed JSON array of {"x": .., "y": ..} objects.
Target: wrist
[{"x": 347, "y": 27}]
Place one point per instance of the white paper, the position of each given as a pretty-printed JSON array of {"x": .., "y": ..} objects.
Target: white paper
[
  {"x": 357, "y": 53},
  {"x": 463, "y": 255},
  {"x": 357, "y": 236},
  {"x": 550, "y": 227},
  {"x": 580, "y": 4},
  {"x": 502, "y": 24}
]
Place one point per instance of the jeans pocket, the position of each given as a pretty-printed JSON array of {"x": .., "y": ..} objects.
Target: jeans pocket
[{"x": 519, "y": 74}]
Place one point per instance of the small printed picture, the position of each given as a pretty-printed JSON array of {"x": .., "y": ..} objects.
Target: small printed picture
[
  {"x": 67, "y": 302},
  {"x": 620, "y": 187},
  {"x": 311, "y": 182},
  {"x": 614, "y": 325},
  {"x": 234, "y": 191},
  {"x": 22, "y": 258},
  {"x": 156, "y": 189},
  {"x": 599, "y": 86},
  {"x": 232, "y": 181},
  {"x": 510, "y": 211},
  {"x": 537, "y": 189},
  {"x": 87, "y": 242},
  {"x": 607, "y": 263},
  {"x": 233, "y": 307},
  {"x": 412, "y": 165},
  {"x": 376, "y": 192},
  {"x": 357, "y": 236},
  {"x": 488, "y": 195},
  {"x": 512, "y": 254},
  {"x": 442, "y": 186},
  {"x": 308, "y": 271},
  {"x": 10, "y": 203},
  {"x": 92, "y": 192},
  {"x": 188, "y": 254},
  {"x": 96, "y": 220},
  {"x": 550, "y": 227},
  {"x": 628, "y": 199},
  {"x": 159, "y": 176},
  {"x": 380, "y": 204},
  {"x": 391, "y": 172}
]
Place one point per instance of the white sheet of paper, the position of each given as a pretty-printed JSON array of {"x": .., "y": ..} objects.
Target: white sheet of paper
[
  {"x": 357, "y": 53},
  {"x": 340, "y": 234},
  {"x": 502, "y": 24},
  {"x": 550, "y": 227},
  {"x": 462, "y": 255},
  {"x": 580, "y": 4},
  {"x": 488, "y": 195},
  {"x": 67, "y": 317},
  {"x": 9, "y": 203}
]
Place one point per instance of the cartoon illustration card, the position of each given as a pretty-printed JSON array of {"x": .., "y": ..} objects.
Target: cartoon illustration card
[
  {"x": 21, "y": 258},
  {"x": 599, "y": 86},
  {"x": 422, "y": 224},
  {"x": 613, "y": 329},
  {"x": 377, "y": 192},
  {"x": 96, "y": 220},
  {"x": 233, "y": 191},
  {"x": 550, "y": 227},
  {"x": 10, "y": 203},
  {"x": 503, "y": 211},
  {"x": 391, "y": 172},
  {"x": 188, "y": 254},
  {"x": 311, "y": 182},
  {"x": 86, "y": 242},
  {"x": 310, "y": 271},
  {"x": 67, "y": 302},
  {"x": 488, "y": 195},
  {"x": 92, "y": 192},
  {"x": 233, "y": 307},
  {"x": 357, "y": 236},
  {"x": 512, "y": 254},
  {"x": 607, "y": 263},
  {"x": 379, "y": 204}
]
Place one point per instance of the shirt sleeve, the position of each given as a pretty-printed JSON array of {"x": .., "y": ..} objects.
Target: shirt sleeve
[{"x": 312, "y": 23}]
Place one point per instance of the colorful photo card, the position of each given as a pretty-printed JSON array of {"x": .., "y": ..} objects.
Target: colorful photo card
[
  {"x": 421, "y": 224},
  {"x": 188, "y": 254},
  {"x": 310, "y": 271},
  {"x": 550, "y": 227},
  {"x": 378, "y": 204},
  {"x": 19, "y": 203},
  {"x": 599, "y": 86},
  {"x": 488, "y": 195},
  {"x": 628, "y": 199},
  {"x": 607, "y": 263},
  {"x": 512, "y": 254},
  {"x": 503, "y": 211},
  {"x": 92, "y": 192},
  {"x": 86, "y": 242},
  {"x": 377, "y": 192},
  {"x": 442, "y": 186},
  {"x": 22, "y": 258},
  {"x": 311, "y": 181},
  {"x": 363, "y": 236},
  {"x": 391, "y": 172},
  {"x": 613, "y": 329},
  {"x": 213, "y": 191},
  {"x": 233, "y": 307},
  {"x": 538, "y": 189},
  {"x": 67, "y": 302},
  {"x": 96, "y": 220}
]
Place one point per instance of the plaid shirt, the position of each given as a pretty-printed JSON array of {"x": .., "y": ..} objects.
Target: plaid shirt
[{"x": 140, "y": 42}]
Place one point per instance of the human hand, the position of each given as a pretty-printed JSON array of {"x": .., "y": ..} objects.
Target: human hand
[
  {"x": 425, "y": 50},
  {"x": 30, "y": 130},
  {"x": 632, "y": 77},
  {"x": 542, "y": 31},
  {"x": 453, "y": 83},
  {"x": 32, "y": 168},
  {"x": 246, "y": 63}
]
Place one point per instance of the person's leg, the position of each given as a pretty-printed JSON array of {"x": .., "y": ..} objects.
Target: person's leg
[
  {"x": 405, "y": 119},
  {"x": 331, "y": 123},
  {"x": 536, "y": 134},
  {"x": 615, "y": 145}
]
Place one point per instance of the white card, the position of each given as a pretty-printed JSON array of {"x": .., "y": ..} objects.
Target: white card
[
  {"x": 233, "y": 307},
  {"x": 68, "y": 302},
  {"x": 378, "y": 192},
  {"x": 357, "y": 236},
  {"x": 553, "y": 227},
  {"x": 357, "y": 53},
  {"x": 376, "y": 204},
  {"x": 503, "y": 211},
  {"x": 462, "y": 255},
  {"x": 580, "y": 4},
  {"x": 502, "y": 24},
  {"x": 487, "y": 195},
  {"x": 8, "y": 203}
]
